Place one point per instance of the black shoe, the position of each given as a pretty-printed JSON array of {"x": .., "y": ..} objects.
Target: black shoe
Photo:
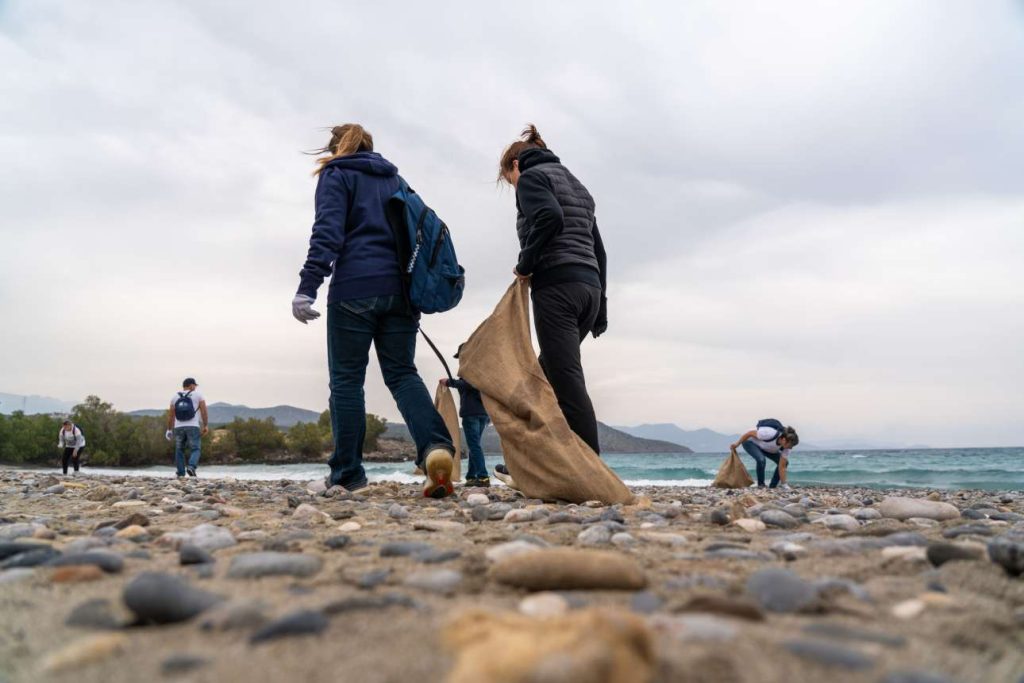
[
  {"x": 478, "y": 482},
  {"x": 500, "y": 468},
  {"x": 191, "y": 471}
]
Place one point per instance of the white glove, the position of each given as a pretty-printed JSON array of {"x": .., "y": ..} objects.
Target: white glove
[
  {"x": 302, "y": 308},
  {"x": 169, "y": 434}
]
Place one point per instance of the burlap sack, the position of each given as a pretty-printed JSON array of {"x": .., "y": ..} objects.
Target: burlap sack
[
  {"x": 732, "y": 474},
  {"x": 445, "y": 405},
  {"x": 546, "y": 458}
]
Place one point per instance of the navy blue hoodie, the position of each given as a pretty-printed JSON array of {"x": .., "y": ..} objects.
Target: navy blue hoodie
[{"x": 351, "y": 235}]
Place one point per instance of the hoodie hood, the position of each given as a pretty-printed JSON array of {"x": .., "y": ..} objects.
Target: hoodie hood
[
  {"x": 365, "y": 162},
  {"x": 536, "y": 155}
]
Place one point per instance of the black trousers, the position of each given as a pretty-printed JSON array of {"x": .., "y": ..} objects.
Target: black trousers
[
  {"x": 67, "y": 458},
  {"x": 564, "y": 314}
]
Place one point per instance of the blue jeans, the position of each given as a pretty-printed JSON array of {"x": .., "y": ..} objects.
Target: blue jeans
[
  {"x": 759, "y": 457},
  {"x": 474, "y": 426},
  {"x": 388, "y": 323},
  {"x": 186, "y": 439}
]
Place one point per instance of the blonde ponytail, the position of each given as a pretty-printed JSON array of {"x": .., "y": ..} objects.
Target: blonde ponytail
[{"x": 346, "y": 139}]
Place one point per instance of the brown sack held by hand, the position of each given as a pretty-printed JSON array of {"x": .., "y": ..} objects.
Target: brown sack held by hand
[
  {"x": 445, "y": 405},
  {"x": 732, "y": 474},
  {"x": 546, "y": 458}
]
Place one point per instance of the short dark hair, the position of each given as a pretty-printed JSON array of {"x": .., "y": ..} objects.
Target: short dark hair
[{"x": 791, "y": 437}]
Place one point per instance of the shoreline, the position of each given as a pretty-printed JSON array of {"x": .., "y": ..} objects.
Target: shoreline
[{"x": 717, "y": 585}]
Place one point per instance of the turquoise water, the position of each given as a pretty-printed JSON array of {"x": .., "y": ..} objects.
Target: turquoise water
[{"x": 994, "y": 469}]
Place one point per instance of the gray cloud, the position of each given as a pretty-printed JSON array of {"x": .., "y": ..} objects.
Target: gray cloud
[{"x": 813, "y": 210}]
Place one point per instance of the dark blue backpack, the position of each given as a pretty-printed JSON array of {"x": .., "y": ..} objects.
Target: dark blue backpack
[
  {"x": 774, "y": 424},
  {"x": 183, "y": 408},
  {"x": 434, "y": 280}
]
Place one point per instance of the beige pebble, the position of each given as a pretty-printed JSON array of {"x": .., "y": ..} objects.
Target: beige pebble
[
  {"x": 908, "y": 609},
  {"x": 750, "y": 525},
  {"x": 907, "y": 554},
  {"x": 85, "y": 651},
  {"x": 543, "y": 605},
  {"x": 350, "y": 526},
  {"x": 133, "y": 531}
]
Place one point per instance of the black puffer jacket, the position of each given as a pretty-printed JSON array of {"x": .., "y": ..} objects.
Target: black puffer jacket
[{"x": 558, "y": 236}]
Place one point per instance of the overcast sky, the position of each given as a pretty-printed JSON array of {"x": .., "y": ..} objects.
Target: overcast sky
[{"x": 813, "y": 210}]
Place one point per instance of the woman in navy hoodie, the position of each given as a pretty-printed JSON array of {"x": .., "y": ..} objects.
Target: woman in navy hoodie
[{"x": 365, "y": 303}]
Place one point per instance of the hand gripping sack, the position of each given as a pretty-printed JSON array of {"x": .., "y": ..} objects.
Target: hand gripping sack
[
  {"x": 546, "y": 458},
  {"x": 732, "y": 474},
  {"x": 445, "y": 405}
]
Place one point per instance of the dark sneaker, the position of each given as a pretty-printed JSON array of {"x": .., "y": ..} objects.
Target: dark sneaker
[
  {"x": 191, "y": 471},
  {"x": 500, "y": 468},
  {"x": 438, "y": 465},
  {"x": 478, "y": 482}
]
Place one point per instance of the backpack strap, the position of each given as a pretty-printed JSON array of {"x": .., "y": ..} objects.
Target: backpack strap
[{"x": 437, "y": 353}]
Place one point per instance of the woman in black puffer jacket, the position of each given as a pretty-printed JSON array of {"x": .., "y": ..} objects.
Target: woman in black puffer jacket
[{"x": 562, "y": 254}]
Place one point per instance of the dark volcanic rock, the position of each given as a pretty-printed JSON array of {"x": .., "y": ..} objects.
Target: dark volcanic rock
[
  {"x": 42, "y": 554},
  {"x": 941, "y": 553},
  {"x": 112, "y": 563},
  {"x": 1008, "y": 552}
]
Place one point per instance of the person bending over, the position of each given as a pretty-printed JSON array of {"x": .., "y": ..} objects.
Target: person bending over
[
  {"x": 72, "y": 440},
  {"x": 769, "y": 440}
]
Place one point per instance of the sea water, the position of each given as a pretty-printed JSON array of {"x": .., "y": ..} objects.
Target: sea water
[{"x": 993, "y": 469}]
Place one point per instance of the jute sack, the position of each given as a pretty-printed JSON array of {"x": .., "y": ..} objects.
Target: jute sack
[
  {"x": 445, "y": 405},
  {"x": 732, "y": 474},
  {"x": 546, "y": 458}
]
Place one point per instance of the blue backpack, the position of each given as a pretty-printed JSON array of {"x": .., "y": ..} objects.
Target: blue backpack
[
  {"x": 773, "y": 423},
  {"x": 183, "y": 408},
  {"x": 434, "y": 280}
]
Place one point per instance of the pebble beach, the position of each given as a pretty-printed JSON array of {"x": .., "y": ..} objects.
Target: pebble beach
[{"x": 112, "y": 578}]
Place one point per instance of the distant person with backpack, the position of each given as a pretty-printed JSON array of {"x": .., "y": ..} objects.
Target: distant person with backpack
[
  {"x": 562, "y": 254},
  {"x": 72, "y": 440},
  {"x": 184, "y": 428},
  {"x": 474, "y": 421},
  {"x": 769, "y": 440},
  {"x": 368, "y": 302}
]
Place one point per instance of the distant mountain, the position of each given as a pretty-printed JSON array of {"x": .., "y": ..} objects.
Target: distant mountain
[
  {"x": 222, "y": 413},
  {"x": 32, "y": 405},
  {"x": 612, "y": 440},
  {"x": 700, "y": 440}
]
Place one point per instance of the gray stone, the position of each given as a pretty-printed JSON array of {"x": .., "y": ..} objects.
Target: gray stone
[
  {"x": 779, "y": 519},
  {"x": 56, "y": 489},
  {"x": 623, "y": 540},
  {"x": 397, "y": 511},
  {"x": 788, "y": 551},
  {"x": 719, "y": 516},
  {"x": 780, "y": 590},
  {"x": 866, "y": 514},
  {"x": 438, "y": 555},
  {"x": 1008, "y": 552},
  {"x": 337, "y": 542},
  {"x": 209, "y": 537},
  {"x": 193, "y": 554},
  {"x": 645, "y": 602},
  {"x": 15, "y": 575},
  {"x": 842, "y": 522},
  {"x": 96, "y": 613},
  {"x": 373, "y": 578},
  {"x": 831, "y": 585},
  {"x": 941, "y": 553},
  {"x": 39, "y": 555},
  {"x": 594, "y": 536},
  {"x": 404, "y": 548},
  {"x": 898, "y": 507},
  {"x": 915, "y": 677},
  {"x": 497, "y": 511},
  {"x": 157, "y": 598},
  {"x": 300, "y": 623},
  {"x": 480, "y": 514},
  {"x": 360, "y": 603},
  {"x": 110, "y": 562},
  {"x": 253, "y": 565},
  {"x": 737, "y": 554},
  {"x": 444, "y": 581},
  {"x": 9, "y": 532},
  {"x": 564, "y": 518},
  {"x": 182, "y": 664},
  {"x": 829, "y": 654},
  {"x": 9, "y": 548},
  {"x": 854, "y": 633},
  {"x": 968, "y": 530}
]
